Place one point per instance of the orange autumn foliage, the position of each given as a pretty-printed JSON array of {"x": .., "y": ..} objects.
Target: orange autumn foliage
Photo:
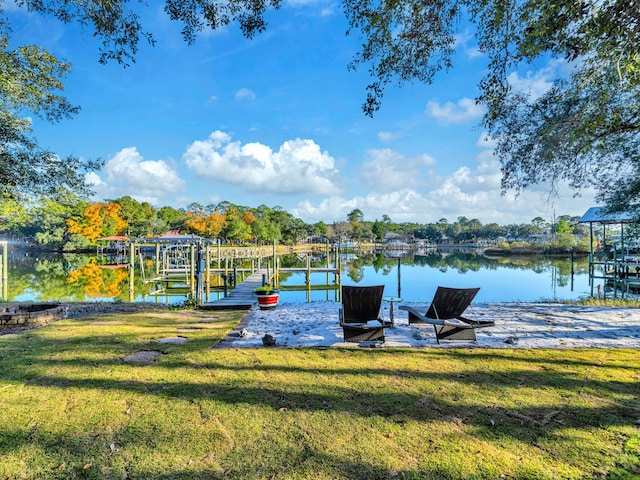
[
  {"x": 205, "y": 225},
  {"x": 99, "y": 220},
  {"x": 248, "y": 218}
]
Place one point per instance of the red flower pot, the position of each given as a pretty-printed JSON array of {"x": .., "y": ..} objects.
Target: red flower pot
[{"x": 268, "y": 299}]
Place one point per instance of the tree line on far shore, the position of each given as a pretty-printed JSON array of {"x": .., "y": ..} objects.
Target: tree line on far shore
[{"x": 66, "y": 222}]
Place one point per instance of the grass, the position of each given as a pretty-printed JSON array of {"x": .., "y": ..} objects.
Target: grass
[
  {"x": 609, "y": 302},
  {"x": 71, "y": 408}
]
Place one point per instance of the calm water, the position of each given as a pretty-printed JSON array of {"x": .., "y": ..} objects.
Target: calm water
[
  {"x": 502, "y": 279},
  {"x": 78, "y": 277}
]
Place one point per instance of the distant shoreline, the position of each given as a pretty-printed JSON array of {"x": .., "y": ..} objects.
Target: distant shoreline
[{"x": 528, "y": 251}]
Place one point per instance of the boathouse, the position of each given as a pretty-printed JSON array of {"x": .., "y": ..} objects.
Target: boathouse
[{"x": 614, "y": 256}]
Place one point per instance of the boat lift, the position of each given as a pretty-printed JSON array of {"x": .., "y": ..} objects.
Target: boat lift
[{"x": 615, "y": 263}]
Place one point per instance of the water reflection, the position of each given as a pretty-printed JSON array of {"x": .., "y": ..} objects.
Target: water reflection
[
  {"x": 67, "y": 278},
  {"x": 85, "y": 277},
  {"x": 502, "y": 279}
]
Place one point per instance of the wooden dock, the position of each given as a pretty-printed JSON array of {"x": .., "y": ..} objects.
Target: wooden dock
[
  {"x": 310, "y": 270},
  {"x": 241, "y": 297}
]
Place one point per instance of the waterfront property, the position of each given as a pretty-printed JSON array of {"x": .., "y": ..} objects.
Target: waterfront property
[
  {"x": 188, "y": 264},
  {"x": 614, "y": 258}
]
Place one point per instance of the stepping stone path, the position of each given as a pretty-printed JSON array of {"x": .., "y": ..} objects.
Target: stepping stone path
[
  {"x": 202, "y": 325},
  {"x": 151, "y": 355},
  {"x": 143, "y": 356},
  {"x": 177, "y": 340}
]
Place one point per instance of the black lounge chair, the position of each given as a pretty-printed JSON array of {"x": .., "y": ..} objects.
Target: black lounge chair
[
  {"x": 360, "y": 305},
  {"x": 445, "y": 314}
]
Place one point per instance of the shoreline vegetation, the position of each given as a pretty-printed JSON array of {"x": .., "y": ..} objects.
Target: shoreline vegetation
[
  {"x": 528, "y": 250},
  {"x": 515, "y": 248}
]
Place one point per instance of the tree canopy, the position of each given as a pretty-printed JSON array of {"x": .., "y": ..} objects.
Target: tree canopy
[
  {"x": 584, "y": 130},
  {"x": 31, "y": 82}
]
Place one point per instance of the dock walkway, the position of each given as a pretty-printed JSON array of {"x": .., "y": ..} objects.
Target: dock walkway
[{"x": 241, "y": 297}]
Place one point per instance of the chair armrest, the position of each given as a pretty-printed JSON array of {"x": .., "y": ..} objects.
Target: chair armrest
[
  {"x": 417, "y": 312},
  {"x": 416, "y": 309},
  {"x": 479, "y": 323}
]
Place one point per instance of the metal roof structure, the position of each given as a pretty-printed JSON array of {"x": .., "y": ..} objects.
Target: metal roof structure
[
  {"x": 114, "y": 238},
  {"x": 176, "y": 239},
  {"x": 599, "y": 215}
]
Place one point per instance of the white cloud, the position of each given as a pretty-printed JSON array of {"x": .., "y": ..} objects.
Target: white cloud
[
  {"x": 127, "y": 173},
  {"x": 485, "y": 141},
  {"x": 389, "y": 136},
  {"x": 474, "y": 52},
  {"x": 93, "y": 179},
  {"x": 471, "y": 192},
  {"x": 386, "y": 170},
  {"x": 462, "y": 42},
  {"x": 465, "y": 110},
  {"x": 323, "y": 7},
  {"x": 299, "y": 166},
  {"x": 245, "y": 94},
  {"x": 397, "y": 205},
  {"x": 536, "y": 83}
]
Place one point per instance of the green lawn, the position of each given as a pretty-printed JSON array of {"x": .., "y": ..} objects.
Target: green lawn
[{"x": 72, "y": 408}]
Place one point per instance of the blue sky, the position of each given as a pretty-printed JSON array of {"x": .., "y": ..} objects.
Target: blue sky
[{"x": 277, "y": 120}]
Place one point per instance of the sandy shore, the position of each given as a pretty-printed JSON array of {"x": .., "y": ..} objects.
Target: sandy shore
[{"x": 518, "y": 325}]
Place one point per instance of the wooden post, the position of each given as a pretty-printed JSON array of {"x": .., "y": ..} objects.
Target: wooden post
[
  {"x": 5, "y": 272},
  {"x": 591, "y": 257},
  {"x": 572, "y": 270},
  {"x": 208, "y": 270},
  {"x": 622, "y": 240},
  {"x": 225, "y": 278},
  {"x": 192, "y": 269},
  {"x": 132, "y": 259},
  {"x": 326, "y": 281},
  {"x": 275, "y": 274}
]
